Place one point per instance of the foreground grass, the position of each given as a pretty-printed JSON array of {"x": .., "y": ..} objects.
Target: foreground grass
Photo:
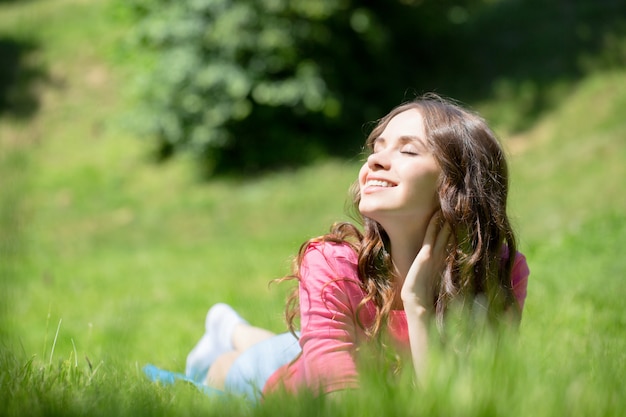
[{"x": 109, "y": 262}]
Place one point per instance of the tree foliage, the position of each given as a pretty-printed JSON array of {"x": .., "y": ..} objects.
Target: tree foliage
[{"x": 250, "y": 84}]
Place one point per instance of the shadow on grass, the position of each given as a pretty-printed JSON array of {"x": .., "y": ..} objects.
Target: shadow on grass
[
  {"x": 19, "y": 77},
  {"x": 521, "y": 52},
  {"x": 16, "y": 1}
]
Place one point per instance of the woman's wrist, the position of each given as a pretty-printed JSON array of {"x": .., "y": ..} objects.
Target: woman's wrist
[
  {"x": 416, "y": 306},
  {"x": 417, "y": 297}
]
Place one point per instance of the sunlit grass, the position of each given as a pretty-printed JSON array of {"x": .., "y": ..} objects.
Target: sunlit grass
[{"x": 109, "y": 261}]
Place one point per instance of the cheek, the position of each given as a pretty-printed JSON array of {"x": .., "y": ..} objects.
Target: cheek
[
  {"x": 429, "y": 186},
  {"x": 435, "y": 180},
  {"x": 362, "y": 173}
]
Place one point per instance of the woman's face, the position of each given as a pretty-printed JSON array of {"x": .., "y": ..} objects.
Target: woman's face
[{"x": 398, "y": 182}]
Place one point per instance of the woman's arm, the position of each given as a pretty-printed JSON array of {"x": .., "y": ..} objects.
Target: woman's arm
[
  {"x": 329, "y": 292},
  {"x": 418, "y": 290}
]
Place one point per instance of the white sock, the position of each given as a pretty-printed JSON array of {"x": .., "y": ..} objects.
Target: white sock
[{"x": 220, "y": 323}]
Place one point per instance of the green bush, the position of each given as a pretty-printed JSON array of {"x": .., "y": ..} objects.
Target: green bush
[{"x": 220, "y": 62}]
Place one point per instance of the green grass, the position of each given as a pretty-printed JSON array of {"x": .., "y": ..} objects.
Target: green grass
[{"x": 108, "y": 261}]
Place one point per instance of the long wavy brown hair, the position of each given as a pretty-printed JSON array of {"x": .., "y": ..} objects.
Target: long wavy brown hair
[{"x": 472, "y": 191}]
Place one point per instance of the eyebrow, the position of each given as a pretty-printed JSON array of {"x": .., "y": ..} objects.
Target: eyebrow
[
  {"x": 411, "y": 138},
  {"x": 403, "y": 140}
]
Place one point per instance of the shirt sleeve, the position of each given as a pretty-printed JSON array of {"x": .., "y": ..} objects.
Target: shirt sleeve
[
  {"x": 329, "y": 294},
  {"x": 519, "y": 279}
]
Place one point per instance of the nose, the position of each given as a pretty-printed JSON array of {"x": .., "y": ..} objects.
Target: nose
[{"x": 378, "y": 160}]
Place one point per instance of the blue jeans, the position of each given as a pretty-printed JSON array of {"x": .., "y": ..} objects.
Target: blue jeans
[{"x": 252, "y": 368}]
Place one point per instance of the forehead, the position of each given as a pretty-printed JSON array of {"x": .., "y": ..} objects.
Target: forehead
[{"x": 407, "y": 123}]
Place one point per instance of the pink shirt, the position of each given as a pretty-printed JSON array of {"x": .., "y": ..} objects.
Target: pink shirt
[{"x": 330, "y": 293}]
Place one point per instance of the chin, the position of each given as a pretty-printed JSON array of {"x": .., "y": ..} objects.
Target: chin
[
  {"x": 365, "y": 211},
  {"x": 371, "y": 214}
]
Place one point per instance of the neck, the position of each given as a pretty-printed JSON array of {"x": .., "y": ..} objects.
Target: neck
[
  {"x": 403, "y": 253},
  {"x": 405, "y": 243}
]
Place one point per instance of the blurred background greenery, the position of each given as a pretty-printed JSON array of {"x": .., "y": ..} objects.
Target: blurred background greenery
[
  {"x": 160, "y": 156},
  {"x": 215, "y": 74}
]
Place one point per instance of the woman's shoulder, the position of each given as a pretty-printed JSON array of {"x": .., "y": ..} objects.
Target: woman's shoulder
[
  {"x": 519, "y": 278},
  {"x": 331, "y": 249},
  {"x": 520, "y": 267},
  {"x": 329, "y": 260}
]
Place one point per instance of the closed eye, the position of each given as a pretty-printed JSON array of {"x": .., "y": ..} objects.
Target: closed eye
[{"x": 409, "y": 150}]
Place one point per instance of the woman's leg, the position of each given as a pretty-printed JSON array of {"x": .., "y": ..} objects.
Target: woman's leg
[
  {"x": 243, "y": 337},
  {"x": 217, "y": 372},
  {"x": 247, "y": 373},
  {"x": 221, "y": 321}
]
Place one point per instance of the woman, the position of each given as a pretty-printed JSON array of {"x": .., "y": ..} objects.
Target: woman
[{"x": 432, "y": 198}]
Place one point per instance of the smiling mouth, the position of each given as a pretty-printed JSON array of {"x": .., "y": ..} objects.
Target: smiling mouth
[{"x": 378, "y": 183}]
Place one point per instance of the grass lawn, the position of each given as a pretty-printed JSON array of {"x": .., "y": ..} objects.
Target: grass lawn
[{"x": 109, "y": 261}]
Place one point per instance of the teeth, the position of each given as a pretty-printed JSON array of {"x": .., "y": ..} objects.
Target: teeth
[{"x": 378, "y": 183}]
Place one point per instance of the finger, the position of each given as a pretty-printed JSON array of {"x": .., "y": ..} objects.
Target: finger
[
  {"x": 444, "y": 236},
  {"x": 432, "y": 229}
]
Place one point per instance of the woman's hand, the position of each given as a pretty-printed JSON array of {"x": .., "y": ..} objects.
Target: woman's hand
[
  {"x": 425, "y": 272},
  {"x": 419, "y": 286}
]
